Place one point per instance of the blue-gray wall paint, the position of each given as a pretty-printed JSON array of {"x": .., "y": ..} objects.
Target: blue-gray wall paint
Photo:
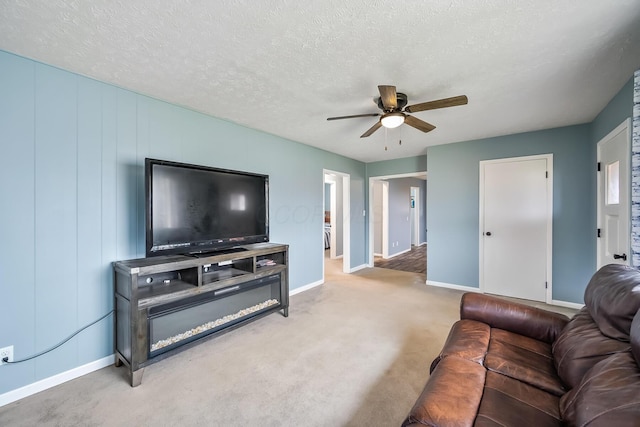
[
  {"x": 453, "y": 205},
  {"x": 73, "y": 152},
  {"x": 399, "y": 215},
  {"x": 397, "y": 166},
  {"x": 400, "y": 212},
  {"x": 616, "y": 111}
]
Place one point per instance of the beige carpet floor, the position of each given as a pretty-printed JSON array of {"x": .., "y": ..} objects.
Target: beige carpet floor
[{"x": 353, "y": 352}]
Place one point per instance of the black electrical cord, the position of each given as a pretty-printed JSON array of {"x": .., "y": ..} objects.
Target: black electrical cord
[{"x": 6, "y": 359}]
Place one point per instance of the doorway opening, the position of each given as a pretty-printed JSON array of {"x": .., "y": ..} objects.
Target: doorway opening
[
  {"x": 336, "y": 238},
  {"x": 397, "y": 222}
]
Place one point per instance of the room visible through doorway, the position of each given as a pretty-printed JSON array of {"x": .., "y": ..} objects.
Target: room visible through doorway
[{"x": 397, "y": 222}]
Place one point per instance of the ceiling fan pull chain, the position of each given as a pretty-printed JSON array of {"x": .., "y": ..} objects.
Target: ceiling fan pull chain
[{"x": 386, "y": 137}]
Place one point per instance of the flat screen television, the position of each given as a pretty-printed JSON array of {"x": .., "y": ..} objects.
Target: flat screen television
[{"x": 194, "y": 209}]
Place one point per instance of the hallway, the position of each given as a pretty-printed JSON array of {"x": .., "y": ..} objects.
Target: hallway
[{"x": 414, "y": 261}]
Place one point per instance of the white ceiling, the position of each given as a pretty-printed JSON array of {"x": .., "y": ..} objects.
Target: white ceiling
[{"x": 284, "y": 66}]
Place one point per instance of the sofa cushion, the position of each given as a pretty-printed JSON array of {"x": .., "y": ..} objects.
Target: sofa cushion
[
  {"x": 524, "y": 359},
  {"x": 613, "y": 298},
  {"x": 608, "y": 395},
  {"x": 580, "y": 346},
  {"x": 509, "y": 402},
  {"x": 452, "y": 394},
  {"x": 522, "y": 319},
  {"x": 467, "y": 339},
  {"x": 635, "y": 337}
]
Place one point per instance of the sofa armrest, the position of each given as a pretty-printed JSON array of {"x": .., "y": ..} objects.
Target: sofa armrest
[{"x": 519, "y": 318}]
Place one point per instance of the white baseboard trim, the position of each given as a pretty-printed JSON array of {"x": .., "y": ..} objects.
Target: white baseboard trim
[
  {"x": 477, "y": 290},
  {"x": 567, "y": 304},
  {"x": 452, "y": 286},
  {"x": 377, "y": 254},
  {"x": 305, "y": 287},
  {"x": 63, "y": 377},
  {"x": 358, "y": 268}
]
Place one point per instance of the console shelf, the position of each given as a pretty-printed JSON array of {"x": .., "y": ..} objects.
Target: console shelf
[{"x": 166, "y": 304}]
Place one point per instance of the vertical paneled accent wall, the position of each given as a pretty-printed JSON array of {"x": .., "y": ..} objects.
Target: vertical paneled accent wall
[{"x": 72, "y": 192}]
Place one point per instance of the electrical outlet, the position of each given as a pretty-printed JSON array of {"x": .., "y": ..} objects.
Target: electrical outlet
[{"x": 6, "y": 352}]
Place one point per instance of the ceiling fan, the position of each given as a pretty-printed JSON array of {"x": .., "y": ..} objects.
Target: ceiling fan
[{"x": 392, "y": 103}]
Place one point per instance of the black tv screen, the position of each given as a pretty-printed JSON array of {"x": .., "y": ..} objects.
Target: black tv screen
[{"x": 194, "y": 209}]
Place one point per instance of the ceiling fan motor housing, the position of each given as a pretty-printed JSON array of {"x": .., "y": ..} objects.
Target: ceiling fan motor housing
[{"x": 401, "y": 101}]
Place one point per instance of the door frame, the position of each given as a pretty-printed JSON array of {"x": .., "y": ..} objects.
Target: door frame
[
  {"x": 625, "y": 126},
  {"x": 332, "y": 215},
  {"x": 346, "y": 218},
  {"x": 372, "y": 179},
  {"x": 549, "y": 257}
]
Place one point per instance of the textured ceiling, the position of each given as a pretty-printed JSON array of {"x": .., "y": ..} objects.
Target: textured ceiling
[{"x": 283, "y": 67}]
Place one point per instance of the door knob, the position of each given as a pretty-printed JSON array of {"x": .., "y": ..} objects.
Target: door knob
[
  {"x": 622, "y": 257},
  {"x": 488, "y": 233}
]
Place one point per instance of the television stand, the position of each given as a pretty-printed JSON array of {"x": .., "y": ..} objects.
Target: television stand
[
  {"x": 218, "y": 252},
  {"x": 167, "y": 304}
]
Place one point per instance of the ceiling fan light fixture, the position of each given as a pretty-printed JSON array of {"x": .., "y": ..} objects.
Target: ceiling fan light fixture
[{"x": 392, "y": 120}]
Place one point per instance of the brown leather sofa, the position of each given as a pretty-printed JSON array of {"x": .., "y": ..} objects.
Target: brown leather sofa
[{"x": 508, "y": 364}]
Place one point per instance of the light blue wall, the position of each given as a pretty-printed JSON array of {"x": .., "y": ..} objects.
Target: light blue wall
[
  {"x": 452, "y": 207},
  {"x": 397, "y": 166},
  {"x": 399, "y": 216},
  {"x": 71, "y": 185},
  {"x": 400, "y": 213},
  {"x": 616, "y": 111}
]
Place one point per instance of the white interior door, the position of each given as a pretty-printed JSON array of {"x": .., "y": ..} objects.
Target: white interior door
[
  {"x": 613, "y": 197},
  {"x": 515, "y": 226}
]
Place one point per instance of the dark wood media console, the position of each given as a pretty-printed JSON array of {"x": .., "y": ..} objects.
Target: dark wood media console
[{"x": 166, "y": 304}]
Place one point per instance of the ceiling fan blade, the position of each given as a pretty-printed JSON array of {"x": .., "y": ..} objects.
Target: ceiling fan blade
[
  {"x": 440, "y": 103},
  {"x": 419, "y": 124},
  {"x": 389, "y": 97},
  {"x": 354, "y": 116},
  {"x": 373, "y": 128}
]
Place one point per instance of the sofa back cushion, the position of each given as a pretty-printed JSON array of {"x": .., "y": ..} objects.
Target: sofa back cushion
[
  {"x": 580, "y": 346},
  {"x": 613, "y": 298},
  {"x": 608, "y": 395},
  {"x": 635, "y": 337}
]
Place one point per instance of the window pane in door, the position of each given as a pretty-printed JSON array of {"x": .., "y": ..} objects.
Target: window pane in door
[{"x": 613, "y": 183}]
